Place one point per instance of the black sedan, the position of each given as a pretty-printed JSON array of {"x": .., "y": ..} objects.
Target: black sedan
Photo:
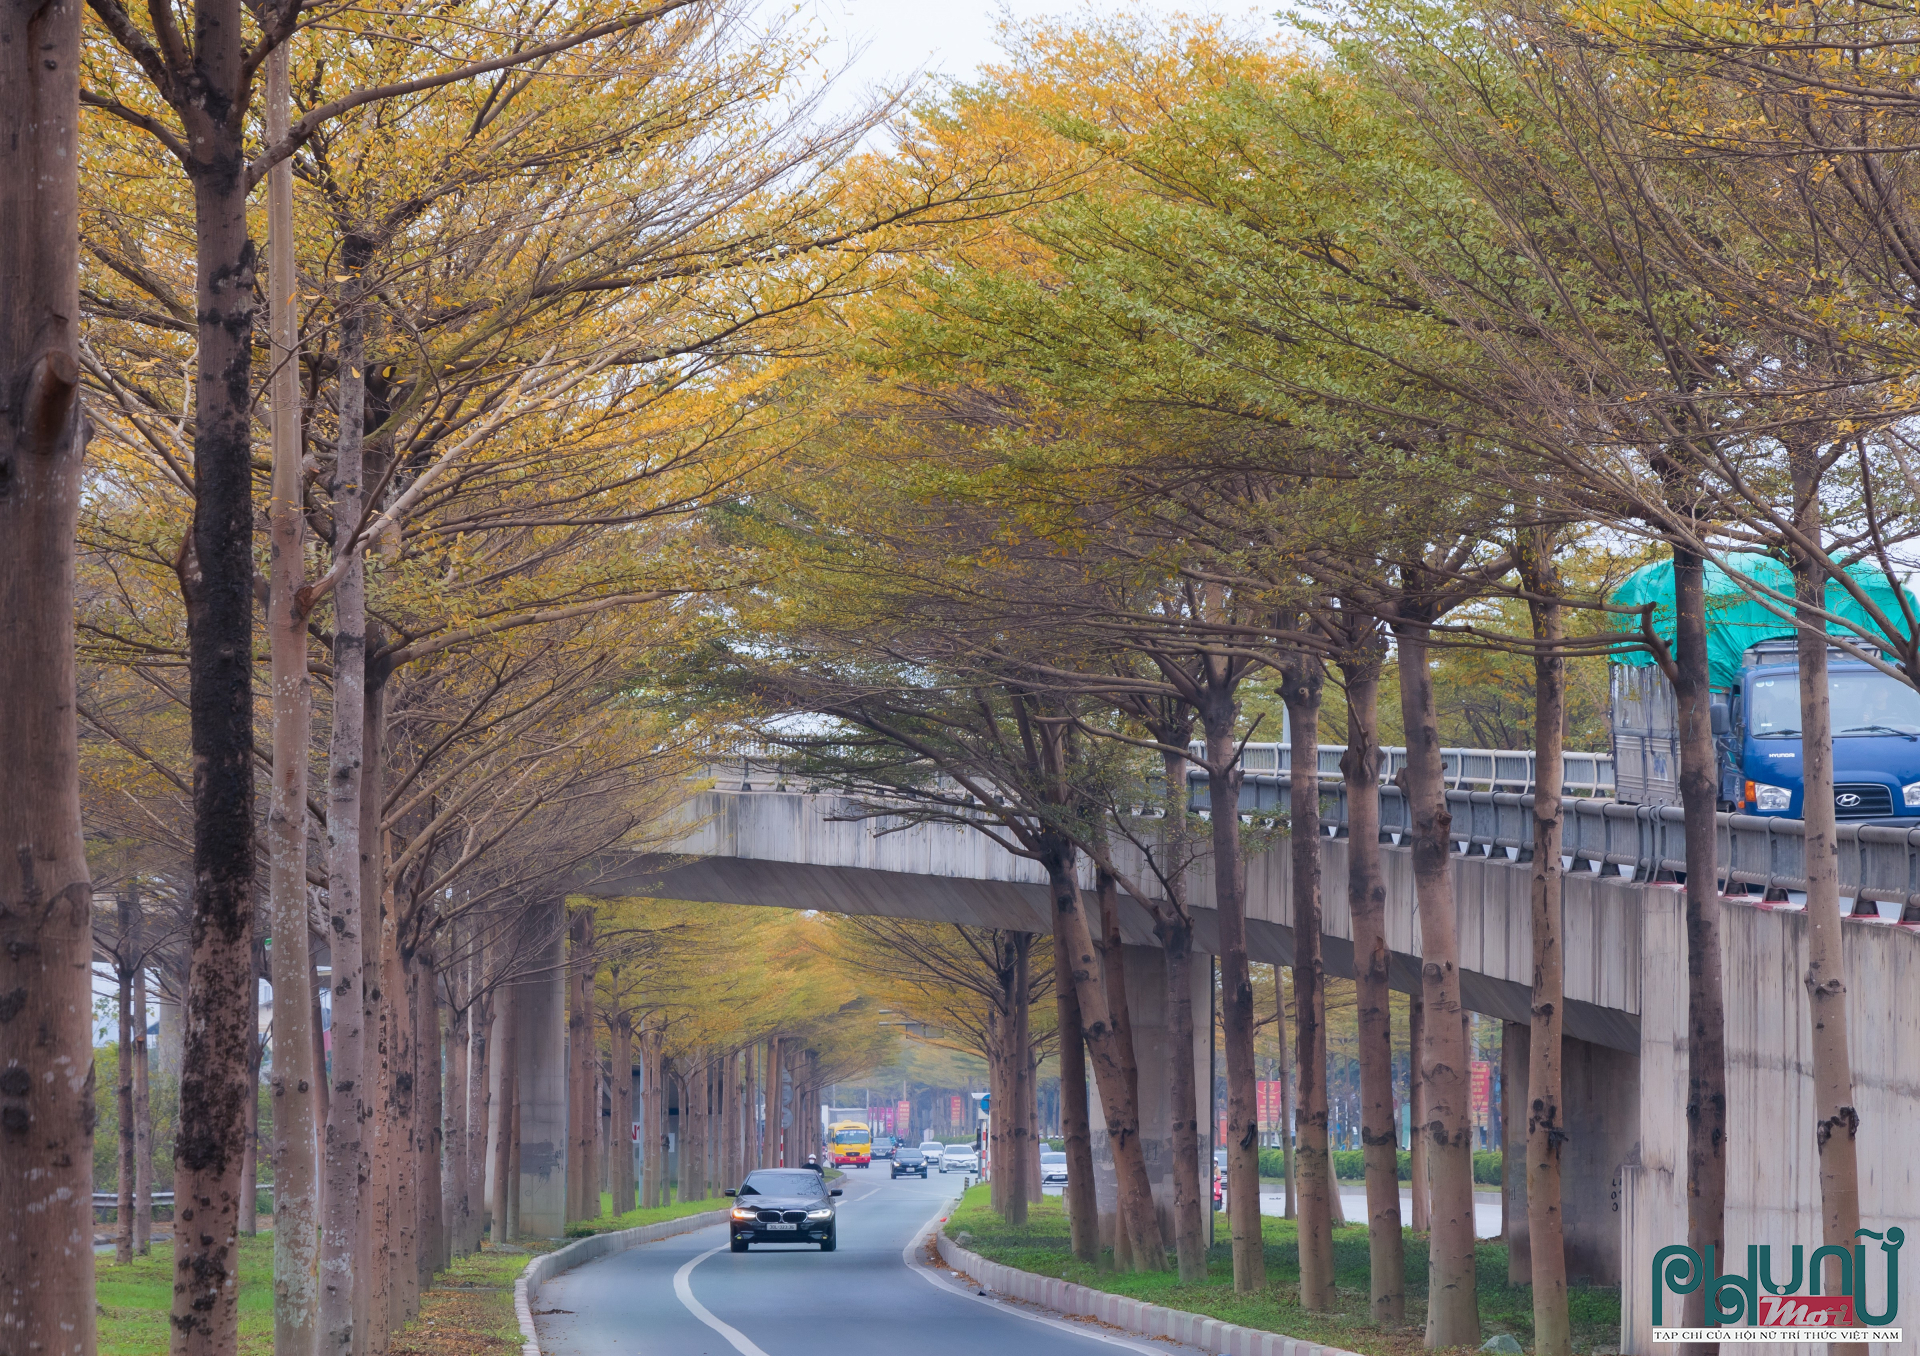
[
  {"x": 909, "y": 1163},
  {"x": 783, "y": 1205}
]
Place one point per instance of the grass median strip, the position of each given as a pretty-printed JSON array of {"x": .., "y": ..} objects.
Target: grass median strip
[
  {"x": 1043, "y": 1246},
  {"x": 633, "y": 1219}
]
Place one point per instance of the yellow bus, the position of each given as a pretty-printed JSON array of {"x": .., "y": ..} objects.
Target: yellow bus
[{"x": 852, "y": 1144}]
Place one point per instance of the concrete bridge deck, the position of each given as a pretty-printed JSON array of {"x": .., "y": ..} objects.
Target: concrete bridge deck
[{"x": 1626, "y": 1011}]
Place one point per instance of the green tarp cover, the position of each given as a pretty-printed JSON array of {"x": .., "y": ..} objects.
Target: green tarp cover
[{"x": 1735, "y": 620}]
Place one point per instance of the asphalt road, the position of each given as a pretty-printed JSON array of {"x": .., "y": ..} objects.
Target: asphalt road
[{"x": 690, "y": 1296}]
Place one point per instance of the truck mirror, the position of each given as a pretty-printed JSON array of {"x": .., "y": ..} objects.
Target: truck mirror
[{"x": 1719, "y": 717}]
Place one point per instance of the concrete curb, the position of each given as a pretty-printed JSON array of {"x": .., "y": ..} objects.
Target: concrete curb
[
  {"x": 550, "y": 1264},
  {"x": 1129, "y": 1315}
]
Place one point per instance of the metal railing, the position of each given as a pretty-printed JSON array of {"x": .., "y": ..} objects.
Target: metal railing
[
  {"x": 1757, "y": 854},
  {"x": 1583, "y": 774}
]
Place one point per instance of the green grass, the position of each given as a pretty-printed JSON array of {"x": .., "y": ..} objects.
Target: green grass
[
  {"x": 1042, "y": 1246},
  {"x": 469, "y": 1310},
  {"x": 633, "y": 1219},
  {"x": 135, "y": 1300}
]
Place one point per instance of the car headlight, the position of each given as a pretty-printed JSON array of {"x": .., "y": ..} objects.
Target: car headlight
[
  {"x": 745, "y": 1212},
  {"x": 1910, "y": 795},
  {"x": 1775, "y": 797},
  {"x": 820, "y": 1214}
]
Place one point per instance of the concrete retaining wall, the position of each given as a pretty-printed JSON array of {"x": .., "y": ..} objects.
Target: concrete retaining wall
[
  {"x": 550, "y": 1264},
  {"x": 1129, "y": 1315},
  {"x": 1773, "y": 1174}
]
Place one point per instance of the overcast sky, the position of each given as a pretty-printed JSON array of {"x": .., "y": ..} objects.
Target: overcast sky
[{"x": 954, "y": 37}]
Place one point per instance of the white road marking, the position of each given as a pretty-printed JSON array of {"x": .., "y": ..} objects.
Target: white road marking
[
  {"x": 1017, "y": 1310},
  {"x": 683, "y": 1287}
]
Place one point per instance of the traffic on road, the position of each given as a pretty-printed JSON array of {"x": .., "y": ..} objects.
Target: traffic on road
[{"x": 695, "y": 1295}]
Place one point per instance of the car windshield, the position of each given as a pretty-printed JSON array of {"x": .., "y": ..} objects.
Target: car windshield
[
  {"x": 851, "y": 1137},
  {"x": 909, "y": 1155},
  {"x": 1053, "y": 1158},
  {"x": 783, "y": 1182},
  {"x": 932, "y": 1146},
  {"x": 1865, "y": 702}
]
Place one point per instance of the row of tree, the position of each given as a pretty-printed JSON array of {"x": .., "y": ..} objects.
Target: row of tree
[
  {"x": 1301, "y": 366},
  {"x": 1153, "y": 368},
  {"x": 379, "y": 544}
]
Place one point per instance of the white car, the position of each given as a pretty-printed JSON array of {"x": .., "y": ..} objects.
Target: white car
[
  {"x": 959, "y": 1158},
  {"x": 933, "y": 1149},
  {"x": 1053, "y": 1166}
]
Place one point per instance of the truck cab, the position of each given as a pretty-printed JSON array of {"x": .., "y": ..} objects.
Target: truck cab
[{"x": 1876, "y": 739}]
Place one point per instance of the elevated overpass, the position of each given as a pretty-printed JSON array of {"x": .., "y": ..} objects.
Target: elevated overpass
[{"x": 777, "y": 845}]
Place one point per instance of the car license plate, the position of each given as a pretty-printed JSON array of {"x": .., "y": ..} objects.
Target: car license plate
[{"x": 783, "y": 1226}]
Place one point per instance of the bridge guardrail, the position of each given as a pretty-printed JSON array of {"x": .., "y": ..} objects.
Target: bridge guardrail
[
  {"x": 1757, "y": 854},
  {"x": 1463, "y": 769}
]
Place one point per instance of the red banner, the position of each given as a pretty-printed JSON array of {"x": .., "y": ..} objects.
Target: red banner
[
  {"x": 956, "y": 1116},
  {"x": 902, "y": 1118},
  {"x": 1482, "y": 1087},
  {"x": 1267, "y": 1090}
]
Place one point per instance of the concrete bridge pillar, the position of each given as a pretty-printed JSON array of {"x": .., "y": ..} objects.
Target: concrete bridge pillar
[
  {"x": 1600, "y": 1098},
  {"x": 540, "y": 1022},
  {"x": 1146, "y": 973}
]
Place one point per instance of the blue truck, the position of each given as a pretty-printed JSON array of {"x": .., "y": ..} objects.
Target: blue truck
[{"x": 1755, "y": 709}]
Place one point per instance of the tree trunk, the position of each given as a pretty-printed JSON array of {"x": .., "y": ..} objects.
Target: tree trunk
[
  {"x": 142, "y": 1109},
  {"x": 777, "y": 1055},
  {"x": 622, "y": 1074},
  {"x": 1292, "y": 1204},
  {"x": 1301, "y": 684},
  {"x": 296, "y": 1168},
  {"x": 1546, "y": 1237},
  {"x": 123, "y": 1098},
  {"x": 408, "y": 1190},
  {"x": 513, "y": 1164},
  {"x": 384, "y": 989},
  {"x": 478, "y": 1095},
  {"x": 250, "y": 1165},
  {"x": 749, "y": 1114},
  {"x": 1076, "y": 1121},
  {"x": 1189, "y": 1191},
  {"x": 429, "y": 1120},
  {"x": 458, "y": 1108},
  {"x": 653, "y": 1122},
  {"x": 1706, "y": 999},
  {"x": 1113, "y": 976},
  {"x": 1074, "y": 932},
  {"x": 583, "y": 1064},
  {"x": 1017, "y": 1165},
  {"x": 1418, "y": 1187},
  {"x": 350, "y": 1102},
  {"x": 1036, "y": 1190},
  {"x": 215, "y": 1091},
  {"x": 1836, "y": 1120},
  {"x": 1219, "y": 713},
  {"x": 1367, "y": 904},
  {"x": 505, "y": 1050},
  {"x": 1453, "y": 1310},
  {"x": 377, "y": 1260},
  {"x": 46, "y": 945},
  {"x": 693, "y": 1131}
]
